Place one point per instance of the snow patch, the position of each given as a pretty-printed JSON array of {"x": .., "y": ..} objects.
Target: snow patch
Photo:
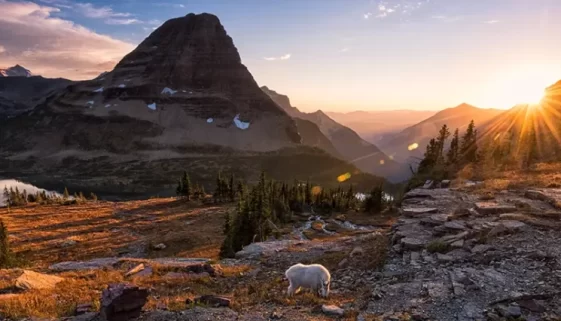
[
  {"x": 122, "y": 86},
  {"x": 90, "y": 104},
  {"x": 240, "y": 124},
  {"x": 168, "y": 91},
  {"x": 190, "y": 93},
  {"x": 152, "y": 106},
  {"x": 99, "y": 90},
  {"x": 209, "y": 120},
  {"x": 108, "y": 105},
  {"x": 184, "y": 91}
]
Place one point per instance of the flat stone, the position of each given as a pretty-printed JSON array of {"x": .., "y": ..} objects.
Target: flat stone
[
  {"x": 94, "y": 264},
  {"x": 428, "y": 184},
  {"x": 457, "y": 244},
  {"x": 490, "y": 208},
  {"x": 444, "y": 258},
  {"x": 413, "y": 243},
  {"x": 332, "y": 310},
  {"x": 413, "y": 211},
  {"x": 449, "y": 239},
  {"x": 481, "y": 248},
  {"x": 30, "y": 280},
  {"x": 549, "y": 195},
  {"x": 531, "y": 305},
  {"x": 120, "y": 302},
  {"x": 415, "y": 257},
  {"x": 160, "y": 246},
  {"x": 455, "y": 225},
  {"x": 214, "y": 301},
  {"x": 513, "y": 226}
]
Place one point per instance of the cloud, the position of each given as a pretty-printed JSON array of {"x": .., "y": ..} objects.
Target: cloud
[
  {"x": 367, "y": 15},
  {"x": 490, "y": 22},
  {"x": 284, "y": 57},
  {"x": 113, "y": 21},
  {"x": 90, "y": 11},
  {"x": 2, "y": 49},
  {"x": 447, "y": 18},
  {"x": 54, "y": 47}
]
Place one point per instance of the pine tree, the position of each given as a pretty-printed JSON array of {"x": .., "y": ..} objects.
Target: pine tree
[
  {"x": 452, "y": 157},
  {"x": 227, "y": 226},
  {"x": 219, "y": 191},
  {"x": 443, "y": 135},
  {"x": 186, "y": 190},
  {"x": 179, "y": 188},
  {"x": 65, "y": 195},
  {"x": 374, "y": 203},
  {"x": 231, "y": 189},
  {"x": 308, "y": 193},
  {"x": 468, "y": 147},
  {"x": 5, "y": 254},
  {"x": 6, "y": 194}
]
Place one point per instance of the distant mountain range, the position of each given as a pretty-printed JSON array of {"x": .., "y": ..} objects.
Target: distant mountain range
[
  {"x": 15, "y": 71},
  {"x": 374, "y": 126},
  {"x": 411, "y": 142},
  {"x": 346, "y": 142}
]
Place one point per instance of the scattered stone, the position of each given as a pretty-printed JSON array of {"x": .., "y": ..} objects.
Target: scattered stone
[
  {"x": 212, "y": 300},
  {"x": 445, "y": 183},
  {"x": 343, "y": 263},
  {"x": 490, "y": 208},
  {"x": 30, "y": 280},
  {"x": 497, "y": 231},
  {"x": 512, "y": 311},
  {"x": 449, "y": 239},
  {"x": 67, "y": 243},
  {"x": 121, "y": 302},
  {"x": 444, "y": 258},
  {"x": 550, "y": 195},
  {"x": 83, "y": 308},
  {"x": 455, "y": 225},
  {"x": 94, "y": 264},
  {"x": 457, "y": 244},
  {"x": 513, "y": 226},
  {"x": 357, "y": 251},
  {"x": 414, "y": 211},
  {"x": 413, "y": 243},
  {"x": 135, "y": 269},
  {"x": 160, "y": 246},
  {"x": 146, "y": 272},
  {"x": 531, "y": 305},
  {"x": 481, "y": 248},
  {"x": 332, "y": 310},
  {"x": 429, "y": 184}
]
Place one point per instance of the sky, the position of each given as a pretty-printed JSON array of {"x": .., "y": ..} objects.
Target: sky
[{"x": 335, "y": 55}]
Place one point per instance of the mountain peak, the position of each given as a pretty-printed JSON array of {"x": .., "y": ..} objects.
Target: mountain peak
[
  {"x": 15, "y": 71},
  {"x": 464, "y": 106}
]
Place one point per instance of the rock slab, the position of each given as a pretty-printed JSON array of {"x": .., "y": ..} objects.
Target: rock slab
[
  {"x": 30, "y": 280},
  {"x": 122, "y": 302}
]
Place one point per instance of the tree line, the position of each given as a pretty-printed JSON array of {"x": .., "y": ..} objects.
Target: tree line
[{"x": 15, "y": 197}]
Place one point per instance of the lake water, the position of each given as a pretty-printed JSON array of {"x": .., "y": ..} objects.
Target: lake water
[{"x": 20, "y": 185}]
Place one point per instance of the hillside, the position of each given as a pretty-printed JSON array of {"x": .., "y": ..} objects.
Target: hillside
[
  {"x": 375, "y": 126},
  {"x": 20, "y": 94},
  {"x": 182, "y": 100},
  {"x": 348, "y": 144},
  {"x": 420, "y": 134}
]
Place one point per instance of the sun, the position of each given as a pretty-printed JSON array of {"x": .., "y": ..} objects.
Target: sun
[{"x": 521, "y": 86}]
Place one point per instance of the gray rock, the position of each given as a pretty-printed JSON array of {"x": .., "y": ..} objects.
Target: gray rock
[
  {"x": 445, "y": 183},
  {"x": 455, "y": 225},
  {"x": 160, "y": 246},
  {"x": 490, "y": 208},
  {"x": 332, "y": 310},
  {"x": 413, "y": 243},
  {"x": 94, "y": 264},
  {"x": 429, "y": 184},
  {"x": 457, "y": 244},
  {"x": 444, "y": 258},
  {"x": 30, "y": 280},
  {"x": 481, "y": 248},
  {"x": 414, "y": 211},
  {"x": 121, "y": 302}
]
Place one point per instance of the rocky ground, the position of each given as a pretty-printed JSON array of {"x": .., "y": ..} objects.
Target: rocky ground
[{"x": 454, "y": 254}]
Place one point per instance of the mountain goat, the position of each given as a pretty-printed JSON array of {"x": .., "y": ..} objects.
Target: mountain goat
[{"x": 314, "y": 276}]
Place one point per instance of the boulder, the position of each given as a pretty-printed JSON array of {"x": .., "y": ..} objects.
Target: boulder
[
  {"x": 122, "y": 302},
  {"x": 94, "y": 264},
  {"x": 481, "y": 248},
  {"x": 160, "y": 246},
  {"x": 428, "y": 184},
  {"x": 332, "y": 310},
  {"x": 30, "y": 280},
  {"x": 212, "y": 300}
]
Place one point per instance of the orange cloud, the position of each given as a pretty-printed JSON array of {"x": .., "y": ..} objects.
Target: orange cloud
[{"x": 54, "y": 47}]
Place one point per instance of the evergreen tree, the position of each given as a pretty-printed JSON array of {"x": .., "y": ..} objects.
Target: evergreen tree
[
  {"x": 93, "y": 197},
  {"x": 179, "y": 188},
  {"x": 65, "y": 195},
  {"x": 468, "y": 147},
  {"x": 431, "y": 156},
  {"x": 374, "y": 202},
  {"x": 453, "y": 155},
  {"x": 443, "y": 135},
  {"x": 6, "y": 194},
  {"x": 231, "y": 189},
  {"x": 186, "y": 190},
  {"x": 308, "y": 193},
  {"x": 5, "y": 254}
]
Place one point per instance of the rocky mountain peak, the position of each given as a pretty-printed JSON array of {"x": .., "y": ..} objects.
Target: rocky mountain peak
[{"x": 15, "y": 71}]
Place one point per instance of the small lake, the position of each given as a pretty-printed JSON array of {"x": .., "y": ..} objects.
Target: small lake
[{"x": 12, "y": 183}]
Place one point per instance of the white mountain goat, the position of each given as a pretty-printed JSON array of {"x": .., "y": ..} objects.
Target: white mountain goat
[{"x": 314, "y": 276}]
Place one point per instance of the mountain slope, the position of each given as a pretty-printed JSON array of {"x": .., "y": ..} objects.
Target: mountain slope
[
  {"x": 457, "y": 117},
  {"x": 20, "y": 94},
  {"x": 15, "y": 71},
  {"x": 375, "y": 126},
  {"x": 349, "y": 145},
  {"x": 182, "y": 100}
]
